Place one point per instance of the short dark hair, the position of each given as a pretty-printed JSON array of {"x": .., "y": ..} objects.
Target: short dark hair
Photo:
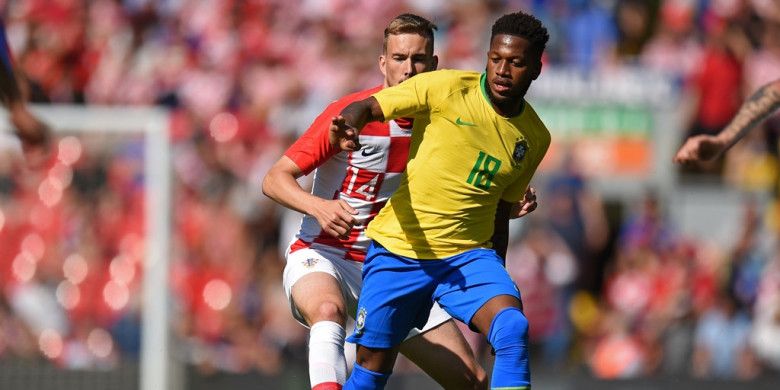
[
  {"x": 522, "y": 25},
  {"x": 410, "y": 24}
]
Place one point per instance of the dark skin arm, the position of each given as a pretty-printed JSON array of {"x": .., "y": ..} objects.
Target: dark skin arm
[
  {"x": 345, "y": 128},
  {"x": 33, "y": 133},
  {"x": 500, "y": 237},
  {"x": 506, "y": 211}
]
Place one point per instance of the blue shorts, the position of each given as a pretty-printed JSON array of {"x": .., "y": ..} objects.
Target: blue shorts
[{"x": 398, "y": 291}]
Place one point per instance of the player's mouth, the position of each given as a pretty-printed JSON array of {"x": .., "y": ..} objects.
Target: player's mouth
[{"x": 501, "y": 86}]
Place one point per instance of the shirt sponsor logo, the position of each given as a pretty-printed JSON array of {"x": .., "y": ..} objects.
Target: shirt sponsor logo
[{"x": 310, "y": 262}]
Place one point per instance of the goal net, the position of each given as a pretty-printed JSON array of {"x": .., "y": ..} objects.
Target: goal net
[{"x": 85, "y": 245}]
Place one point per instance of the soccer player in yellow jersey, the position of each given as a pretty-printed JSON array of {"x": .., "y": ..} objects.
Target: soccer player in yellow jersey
[{"x": 475, "y": 145}]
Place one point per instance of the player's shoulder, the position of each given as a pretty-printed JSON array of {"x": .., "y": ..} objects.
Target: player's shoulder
[
  {"x": 445, "y": 82},
  {"x": 360, "y": 95},
  {"x": 453, "y": 77},
  {"x": 541, "y": 132}
]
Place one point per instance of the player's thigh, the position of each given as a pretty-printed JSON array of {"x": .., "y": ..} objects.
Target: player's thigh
[
  {"x": 443, "y": 353},
  {"x": 320, "y": 287},
  {"x": 480, "y": 277},
  {"x": 396, "y": 297}
]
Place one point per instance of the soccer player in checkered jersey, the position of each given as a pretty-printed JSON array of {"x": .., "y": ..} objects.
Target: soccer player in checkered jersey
[
  {"x": 31, "y": 131},
  {"x": 323, "y": 274},
  {"x": 476, "y": 143}
]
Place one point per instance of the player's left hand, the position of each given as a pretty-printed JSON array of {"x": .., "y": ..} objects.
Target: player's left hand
[{"x": 527, "y": 205}]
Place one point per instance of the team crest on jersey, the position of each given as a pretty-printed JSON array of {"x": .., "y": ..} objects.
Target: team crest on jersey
[
  {"x": 360, "y": 321},
  {"x": 310, "y": 262},
  {"x": 521, "y": 149}
]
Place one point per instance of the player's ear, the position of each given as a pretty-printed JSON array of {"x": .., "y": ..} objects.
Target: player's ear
[
  {"x": 537, "y": 70},
  {"x": 537, "y": 67}
]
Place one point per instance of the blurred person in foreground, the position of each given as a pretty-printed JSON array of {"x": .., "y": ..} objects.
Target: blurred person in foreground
[
  {"x": 476, "y": 143},
  {"x": 322, "y": 277},
  {"x": 753, "y": 111},
  {"x": 33, "y": 133}
]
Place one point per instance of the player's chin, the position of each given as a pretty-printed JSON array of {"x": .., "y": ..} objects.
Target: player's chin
[{"x": 502, "y": 95}]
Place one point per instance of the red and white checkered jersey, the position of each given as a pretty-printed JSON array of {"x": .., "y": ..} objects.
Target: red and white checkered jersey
[{"x": 365, "y": 179}]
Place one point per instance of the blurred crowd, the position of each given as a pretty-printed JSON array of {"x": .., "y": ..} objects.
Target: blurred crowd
[{"x": 622, "y": 293}]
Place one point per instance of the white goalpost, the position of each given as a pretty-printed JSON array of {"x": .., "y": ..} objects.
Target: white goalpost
[{"x": 156, "y": 371}]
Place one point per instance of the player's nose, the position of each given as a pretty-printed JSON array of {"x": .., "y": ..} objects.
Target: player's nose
[{"x": 409, "y": 68}]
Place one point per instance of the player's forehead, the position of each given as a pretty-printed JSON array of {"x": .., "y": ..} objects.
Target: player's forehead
[
  {"x": 507, "y": 45},
  {"x": 405, "y": 43}
]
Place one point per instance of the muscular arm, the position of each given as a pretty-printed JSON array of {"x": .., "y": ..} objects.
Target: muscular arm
[
  {"x": 345, "y": 128},
  {"x": 757, "y": 108},
  {"x": 280, "y": 184}
]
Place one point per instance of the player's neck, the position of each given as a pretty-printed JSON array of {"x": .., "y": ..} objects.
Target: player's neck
[{"x": 508, "y": 108}]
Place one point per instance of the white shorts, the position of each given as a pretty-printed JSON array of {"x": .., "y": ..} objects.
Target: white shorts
[{"x": 349, "y": 276}]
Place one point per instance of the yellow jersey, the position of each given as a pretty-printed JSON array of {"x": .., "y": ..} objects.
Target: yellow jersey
[{"x": 463, "y": 158}]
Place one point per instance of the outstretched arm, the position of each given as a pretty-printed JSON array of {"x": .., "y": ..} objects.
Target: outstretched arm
[
  {"x": 33, "y": 133},
  {"x": 336, "y": 217},
  {"x": 757, "y": 108},
  {"x": 345, "y": 128}
]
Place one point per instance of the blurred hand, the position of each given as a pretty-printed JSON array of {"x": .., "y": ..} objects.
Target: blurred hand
[
  {"x": 342, "y": 135},
  {"x": 34, "y": 134},
  {"x": 526, "y": 205},
  {"x": 700, "y": 148},
  {"x": 336, "y": 217}
]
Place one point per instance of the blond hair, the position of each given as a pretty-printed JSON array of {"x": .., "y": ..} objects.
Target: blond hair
[{"x": 410, "y": 24}]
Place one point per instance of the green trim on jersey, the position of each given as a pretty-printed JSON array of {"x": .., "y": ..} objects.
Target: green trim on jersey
[{"x": 484, "y": 89}]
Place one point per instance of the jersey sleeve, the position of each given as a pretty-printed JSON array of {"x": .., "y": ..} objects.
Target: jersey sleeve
[
  {"x": 313, "y": 148},
  {"x": 415, "y": 96}
]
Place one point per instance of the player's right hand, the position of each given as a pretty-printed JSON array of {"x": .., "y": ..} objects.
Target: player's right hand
[
  {"x": 336, "y": 217},
  {"x": 342, "y": 135},
  {"x": 700, "y": 148}
]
